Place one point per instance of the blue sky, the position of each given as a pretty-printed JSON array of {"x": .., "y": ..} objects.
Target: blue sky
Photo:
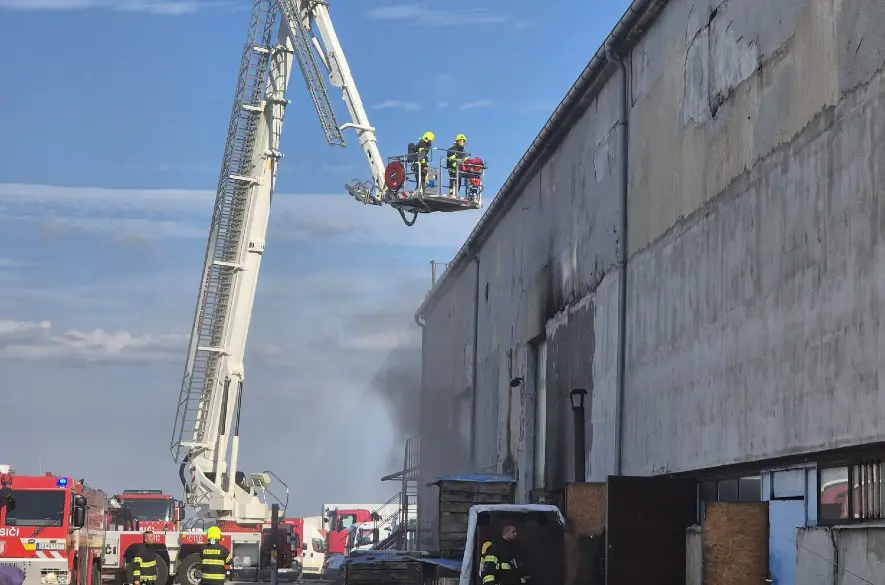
[{"x": 114, "y": 117}]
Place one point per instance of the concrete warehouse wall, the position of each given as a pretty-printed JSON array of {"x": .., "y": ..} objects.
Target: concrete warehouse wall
[
  {"x": 755, "y": 278},
  {"x": 840, "y": 556}
]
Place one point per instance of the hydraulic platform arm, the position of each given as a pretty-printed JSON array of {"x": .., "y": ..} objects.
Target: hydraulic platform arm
[
  {"x": 205, "y": 438},
  {"x": 388, "y": 177},
  {"x": 304, "y": 16}
]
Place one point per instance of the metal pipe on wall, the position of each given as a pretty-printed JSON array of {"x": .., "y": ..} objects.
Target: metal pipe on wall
[
  {"x": 475, "y": 365},
  {"x": 622, "y": 259}
]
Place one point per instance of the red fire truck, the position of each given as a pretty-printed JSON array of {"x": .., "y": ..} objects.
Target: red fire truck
[
  {"x": 179, "y": 549},
  {"x": 52, "y": 528},
  {"x": 179, "y": 552},
  {"x": 297, "y": 541}
]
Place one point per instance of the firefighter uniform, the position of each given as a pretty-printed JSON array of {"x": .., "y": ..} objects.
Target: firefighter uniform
[
  {"x": 499, "y": 565},
  {"x": 144, "y": 565},
  {"x": 213, "y": 560},
  {"x": 455, "y": 156},
  {"x": 419, "y": 158}
]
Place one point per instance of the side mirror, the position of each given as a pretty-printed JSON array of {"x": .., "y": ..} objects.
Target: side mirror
[
  {"x": 303, "y": 546},
  {"x": 79, "y": 517},
  {"x": 6, "y": 498},
  {"x": 79, "y": 501},
  {"x": 179, "y": 511}
]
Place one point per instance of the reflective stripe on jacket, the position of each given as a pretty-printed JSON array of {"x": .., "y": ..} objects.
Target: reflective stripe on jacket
[
  {"x": 144, "y": 564},
  {"x": 213, "y": 559}
]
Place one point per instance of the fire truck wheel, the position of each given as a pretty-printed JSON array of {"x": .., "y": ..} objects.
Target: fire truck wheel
[
  {"x": 162, "y": 571},
  {"x": 189, "y": 571},
  {"x": 120, "y": 577}
]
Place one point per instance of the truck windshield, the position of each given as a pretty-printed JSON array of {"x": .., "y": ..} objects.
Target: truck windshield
[
  {"x": 36, "y": 508},
  {"x": 365, "y": 537},
  {"x": 345, "y": 521},
  {"x": 147, "y": 509}
]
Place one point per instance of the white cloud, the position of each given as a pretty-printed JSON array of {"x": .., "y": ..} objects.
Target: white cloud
[
  {"x": 422, "y": 15},
  {"x": 442, "y": 105},
  {"x": 142, "y": 215},
  {"x": 160, "y": 7},
  {"x": 29, "y": 340},
  {"x": 397, "y": 105},
  {"x": 7, "y": 263},
  {"x": 477, "y": 104}
]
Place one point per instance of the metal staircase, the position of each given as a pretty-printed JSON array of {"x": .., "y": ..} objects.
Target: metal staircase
[{"x": 226, "y": 232}]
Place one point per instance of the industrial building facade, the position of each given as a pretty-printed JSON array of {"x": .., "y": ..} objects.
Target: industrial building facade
[{"x": 694, "y": 238}]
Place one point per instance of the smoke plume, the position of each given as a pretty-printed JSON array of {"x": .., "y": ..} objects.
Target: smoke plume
[{"x": 398, "y": 385}]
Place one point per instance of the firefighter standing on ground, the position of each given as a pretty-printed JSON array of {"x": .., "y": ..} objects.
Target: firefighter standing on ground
[
  {"x": 454, "y": 157},
  {"x": 213, "y": 559},
  {"x": 500, "y": 562},
  {"x": 143, "y": 569}
]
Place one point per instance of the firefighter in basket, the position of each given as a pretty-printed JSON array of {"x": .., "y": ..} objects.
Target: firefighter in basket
[
  {"x": 419, "y": 154},
  {"x": 454, "y": 157},
  {"x": 214, "y": 559}
]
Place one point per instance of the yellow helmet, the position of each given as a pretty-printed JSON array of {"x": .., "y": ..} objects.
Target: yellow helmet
[
  {"x": 460, "y": 137},
  {"x": 214, "y": 533},
  {"x": 428, "y": 136}
]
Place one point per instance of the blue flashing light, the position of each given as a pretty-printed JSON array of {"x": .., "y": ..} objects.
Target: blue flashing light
[{"x": 61, "y": 482}]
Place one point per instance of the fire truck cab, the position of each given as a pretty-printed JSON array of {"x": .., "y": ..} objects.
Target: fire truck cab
[
  {"x": 152, "y": 508},
  {"x": 338, "y": 522},
  {"x": 52, "y": 528}
]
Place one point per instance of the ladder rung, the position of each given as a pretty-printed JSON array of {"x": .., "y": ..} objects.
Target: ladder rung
[
  {"x": 244, "y": 179},
  {"x": 228, "y": 264},
  {"x": 211, "y": 349}
]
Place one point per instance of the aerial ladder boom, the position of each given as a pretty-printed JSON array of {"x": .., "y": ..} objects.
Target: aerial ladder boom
[
  {"x": 206, "y": 433},
  {"x": 205, "y": 441}
]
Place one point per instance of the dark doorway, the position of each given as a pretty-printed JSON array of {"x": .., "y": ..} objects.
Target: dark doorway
[{"x": 647, "y": 519}]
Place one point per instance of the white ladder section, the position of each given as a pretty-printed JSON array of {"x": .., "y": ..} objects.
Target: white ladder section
[{"x": 207, "y": 421}]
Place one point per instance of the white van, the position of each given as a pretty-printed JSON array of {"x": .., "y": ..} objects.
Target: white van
[{"x": 314, "y": 551}]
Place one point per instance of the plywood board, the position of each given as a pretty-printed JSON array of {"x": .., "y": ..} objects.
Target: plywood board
[
  {"x": 584, "y": 544},
  {"x": 735, "y": 543}
]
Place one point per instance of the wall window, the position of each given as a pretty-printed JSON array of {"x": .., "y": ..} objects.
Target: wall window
[
  {"x": 863, "y": 500},
  {"x": 738, "y": 489},
  {"x": 750, "y": 489}
]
